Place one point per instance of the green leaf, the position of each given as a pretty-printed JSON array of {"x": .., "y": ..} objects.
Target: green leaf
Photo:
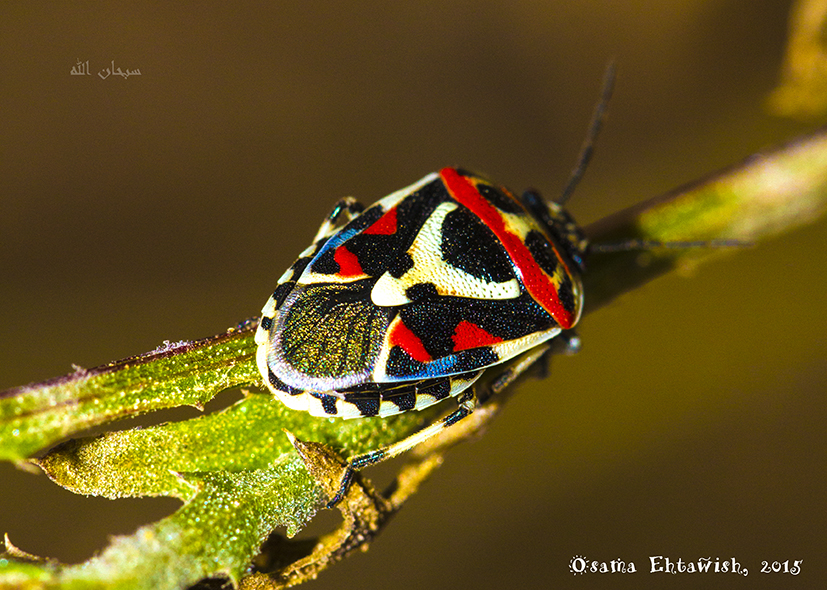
[
  {"x": 183, "y": 374},
  {"x": 246, "y": 436}
]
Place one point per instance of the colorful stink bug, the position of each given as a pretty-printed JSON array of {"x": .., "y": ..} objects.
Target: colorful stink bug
[
  {"x": 410, "y": 300},
  {"x": 407, "y": 302}
]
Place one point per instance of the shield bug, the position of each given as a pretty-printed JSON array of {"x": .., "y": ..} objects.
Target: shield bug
[
  {"x": 401, "y": 305},
  {"x": 410, "y": 300}
]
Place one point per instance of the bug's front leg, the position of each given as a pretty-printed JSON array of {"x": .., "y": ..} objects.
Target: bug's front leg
[
  {"x": 350, "y": 206},
  {"x": 566, "y": 343}
]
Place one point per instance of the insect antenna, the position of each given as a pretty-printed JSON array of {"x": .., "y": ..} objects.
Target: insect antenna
[
  {"x": 586, "y": 153},
  {"x": 630, "y": 245},
  {"x": 598, "y": 117}
]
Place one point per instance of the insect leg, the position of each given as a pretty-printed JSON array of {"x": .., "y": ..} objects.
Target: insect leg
[
  {"x": 566, "y": 343},
  {"x": 467, "y": 404},
  {"x": 349, "y": 205},
  {"x": 468, "y": 401}
]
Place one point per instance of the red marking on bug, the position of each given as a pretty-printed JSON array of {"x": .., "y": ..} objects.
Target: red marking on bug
[
  {"x": 468, "y": 335},
  {"x": 402, "y": 336},
  {"x": 385, "y": 225},
  {"x": 537, "y": 282},
  {"x": 348, "y": 263}
]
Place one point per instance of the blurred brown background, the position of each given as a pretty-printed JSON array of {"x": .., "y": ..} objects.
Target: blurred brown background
[{"x": 166, "y": 205}]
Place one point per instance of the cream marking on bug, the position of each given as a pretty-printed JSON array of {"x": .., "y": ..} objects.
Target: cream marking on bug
[
  {"x": 268, "y": 311},
  {"x": 308, "y": 251},
  {"x": 508, "y": 349},
  {"x": 285, "y": 277},
  {"x": 429, "y": 267}
]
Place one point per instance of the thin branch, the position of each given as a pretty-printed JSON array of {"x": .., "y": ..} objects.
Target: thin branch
[{"x": 239, "y": 476}]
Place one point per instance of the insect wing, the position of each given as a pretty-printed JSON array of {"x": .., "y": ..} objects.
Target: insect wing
[{"x": 325, "y": 333}]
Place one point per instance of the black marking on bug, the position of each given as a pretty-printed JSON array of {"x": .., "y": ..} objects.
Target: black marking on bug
[
  {"x": 439, "y": 390},
  {"x": 400, "y": 265},
  {"x": 500, "y": 200},
  {"x": 366, "y": 402},
  {"x": 380, "y": 253},
  {"x": 328, "y": 402},
  {"x": 404, "y": 401},
  {"x": 373, "y": 251},
  {"x": 368, "y": 217},
  {"x": 558, "y": 223},
  {"x": 299, "y": 266},
  {"x": 468, "y": 360},
  {"x": 404, "y": 396},
  {"x": 281, "y": 385},
  {"x": 266, "y": 323},
  {"x": 566, "y": 293},
  {"x": 542, "y": 251},
  {"x": 402, "y": 365},
  {"x": 506, "y": 319},
  {"x": 280, "y": 294},
  {"x": 421, "y": 291},
  {"x": 326, "y": 264},
  {"x": 469, "y": 245}
]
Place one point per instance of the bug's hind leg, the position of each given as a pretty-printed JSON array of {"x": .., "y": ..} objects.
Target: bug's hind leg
[
  {"x": 348, "y": 205},
  {"x": 468, "y": 403}
]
